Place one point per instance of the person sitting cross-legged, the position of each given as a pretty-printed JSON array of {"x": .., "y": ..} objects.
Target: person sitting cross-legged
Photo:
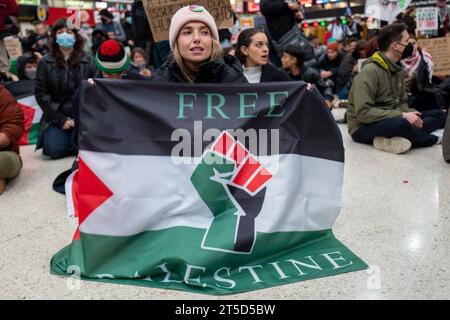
[{"x": 378, "y": 112}]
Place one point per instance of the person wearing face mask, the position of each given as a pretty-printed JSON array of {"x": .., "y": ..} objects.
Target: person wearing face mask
[
  {"x": 127, "y": 25},
  {"x": 59, "y": 74},
  {"x": 378, "y": 113},
  {"x": 112, "y": 28},
  {"x": 196, "y": 55},
  {"x": 252, "y": 50},
  {"x": 86, "y": 32}
]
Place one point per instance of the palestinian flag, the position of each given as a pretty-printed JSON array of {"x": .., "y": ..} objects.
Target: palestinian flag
[
  {"x": 214, "y": 188},
  {"x": 33, "y": 114}
]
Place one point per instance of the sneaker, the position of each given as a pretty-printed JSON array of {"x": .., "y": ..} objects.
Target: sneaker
[{"x": 395, "y": 145}]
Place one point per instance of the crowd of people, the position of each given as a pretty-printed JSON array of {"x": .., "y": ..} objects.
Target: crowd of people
[{"x": 394, "y": 102}]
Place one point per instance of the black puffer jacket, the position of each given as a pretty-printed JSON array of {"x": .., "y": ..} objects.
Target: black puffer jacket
[
  {"x": 227, "y": 70},
  {"x": 55, "y": 88},
  {"x": 271, "y": 73}
]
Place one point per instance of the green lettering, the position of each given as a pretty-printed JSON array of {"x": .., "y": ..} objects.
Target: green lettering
[
  {"x": 243, "y": 106},
  {"x": 274, "y": 104},
  {"x": 216, "y": 107},
  {"x": 184, "y": 105}
]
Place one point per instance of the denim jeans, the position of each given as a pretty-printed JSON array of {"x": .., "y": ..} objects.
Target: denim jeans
[
  {"x": 399, "y": 127},
  {"x": 58, "y": 143}
]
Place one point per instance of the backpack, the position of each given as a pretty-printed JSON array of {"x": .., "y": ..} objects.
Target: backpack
[{"x": 294, "y": 37}]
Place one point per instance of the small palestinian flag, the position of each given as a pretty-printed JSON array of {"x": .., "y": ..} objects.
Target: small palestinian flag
[
  {"x": 213, "y": 189},
  {"x": 33, "y": 114}
]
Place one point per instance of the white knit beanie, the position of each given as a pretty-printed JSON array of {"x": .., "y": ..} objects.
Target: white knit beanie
[{"x": 188, "y": 14}]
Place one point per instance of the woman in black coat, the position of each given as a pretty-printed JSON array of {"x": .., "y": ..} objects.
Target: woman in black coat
[
  {"x": 252, "y": 50},
  {"x": 196, "y": 55},
  {"x": 58, "y": 77}
]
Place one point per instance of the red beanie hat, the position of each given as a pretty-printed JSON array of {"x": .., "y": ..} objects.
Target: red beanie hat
[{"x": 333, "y": 46}]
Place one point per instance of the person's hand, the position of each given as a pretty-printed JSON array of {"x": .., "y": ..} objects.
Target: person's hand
[
  {"x": 413, "y": 118},
  {"x": 309, "y": 87},
  {"x": 299, "y": 15},
  {"x": 326, "y": 74},
  {"x": 329, "y": 104},
  {"x": 131, "y": 43},
  {"x": 111, "y": 35},
  {"x": 146, "y": 73},
  {"x": 38, "y": 56},
  {"x": 293, "y": 6},
  {"x": 69, "y": 124},
  {"x": 91, "y": 81}
]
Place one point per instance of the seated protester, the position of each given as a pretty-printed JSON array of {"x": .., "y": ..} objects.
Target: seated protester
[
  {"x": 348, "y": 70},
  {"x": 252, "y": 50},
  {"x": 113, "y": 63},
  {"x": 27, "y": 67},
  {"x": 329, "y": 64},
  {"x": 293, "y": 62},
  {"x": 319, "y": 49},
  {"x": 11, "y": 130},
  {"x": 196, "y": 55},
  {"x": 59, "y": 74},
  {"x": 378, "y": 113},
  {"x": 423, "y": 93},
  {"x": 138, "y": 63}
]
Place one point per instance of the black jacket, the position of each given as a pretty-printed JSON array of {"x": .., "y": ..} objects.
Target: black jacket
[
  {"x": 325, "y": 64},
  {"x": 279, "y": 18},
  {"x": 55, "y": 88},
  {"x": 272, "y": 74},
  {"x": 345, "y": 71},
  {"x": 228, "y": 70},
  {"x": 312, "y": 76}
]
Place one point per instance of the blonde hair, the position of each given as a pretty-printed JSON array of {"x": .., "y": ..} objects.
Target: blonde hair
[{"x": 216, "y": 55}]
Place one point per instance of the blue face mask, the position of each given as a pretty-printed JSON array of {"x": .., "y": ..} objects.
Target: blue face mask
[
  {"x": 130, "y": 20},
  {"x": 65, "y": 40}
]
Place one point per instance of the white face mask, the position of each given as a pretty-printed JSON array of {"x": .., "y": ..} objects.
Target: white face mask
[{"x": 30, "y": 73}]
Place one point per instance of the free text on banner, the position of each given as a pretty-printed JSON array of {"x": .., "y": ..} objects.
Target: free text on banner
[{"x": 213, "y": 188}]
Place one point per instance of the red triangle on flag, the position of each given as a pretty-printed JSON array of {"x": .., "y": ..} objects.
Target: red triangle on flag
[
  {"x": 92, "y": 192},
  {"x": 28, "y": 122}
]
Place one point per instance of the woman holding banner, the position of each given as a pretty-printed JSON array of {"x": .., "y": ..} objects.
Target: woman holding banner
[
  {"x": 252, "y": 50},
  {"x": 196, "y": 52}
]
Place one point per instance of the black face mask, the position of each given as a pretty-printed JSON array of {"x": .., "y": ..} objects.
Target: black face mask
[{"x": 409, "y": 49}]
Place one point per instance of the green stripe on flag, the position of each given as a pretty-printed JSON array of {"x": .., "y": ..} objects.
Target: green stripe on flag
[
  {"x": 173, "y": 259},
  {"x": 33, "y": 134}
]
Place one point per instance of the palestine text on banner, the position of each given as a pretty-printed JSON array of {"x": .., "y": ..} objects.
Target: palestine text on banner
[{"x": 214, "y": 189}]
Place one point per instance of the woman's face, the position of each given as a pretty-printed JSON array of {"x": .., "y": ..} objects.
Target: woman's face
[
  {"x": 195, "y": 43},
  {"x": 257, "y": 53},
  {"x": 62, "y": 30},
  {"x": 138, "y": 58}
]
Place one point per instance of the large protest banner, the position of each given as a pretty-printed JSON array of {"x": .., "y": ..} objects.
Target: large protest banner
[
  {"x": 439, "y": 49},
  {"x": 386, "y": 10},
  {"x": 160, "y": 13},
  {"x": 213, "y": 188}
]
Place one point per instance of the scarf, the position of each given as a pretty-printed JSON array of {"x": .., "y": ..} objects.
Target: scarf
[{"x": 411, "y": 64}]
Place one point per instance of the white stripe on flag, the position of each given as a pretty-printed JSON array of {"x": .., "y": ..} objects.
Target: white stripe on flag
[
  {"x": 30, "y": 101},
  {"x": 152, "y": 193},
  {"x": 69, "y": 195}
]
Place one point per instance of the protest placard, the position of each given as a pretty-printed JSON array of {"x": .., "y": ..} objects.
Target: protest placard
[
  {"x": 160, "y": 12},
  {"x": 439, "y": 49}
]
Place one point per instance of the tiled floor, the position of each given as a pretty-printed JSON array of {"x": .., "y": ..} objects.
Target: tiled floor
[{"x": 395, "y": 216}]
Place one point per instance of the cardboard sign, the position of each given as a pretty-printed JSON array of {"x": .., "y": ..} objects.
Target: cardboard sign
[
  {"x": 160, "y": 13},
  {"x": 13, "y": 47},
  {"x": 427, "y": 19},
  {"x": 439, "y": 49}
]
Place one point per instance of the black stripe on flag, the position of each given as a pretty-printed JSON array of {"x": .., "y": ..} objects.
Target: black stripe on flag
[{"x": 138, "y": 118}]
